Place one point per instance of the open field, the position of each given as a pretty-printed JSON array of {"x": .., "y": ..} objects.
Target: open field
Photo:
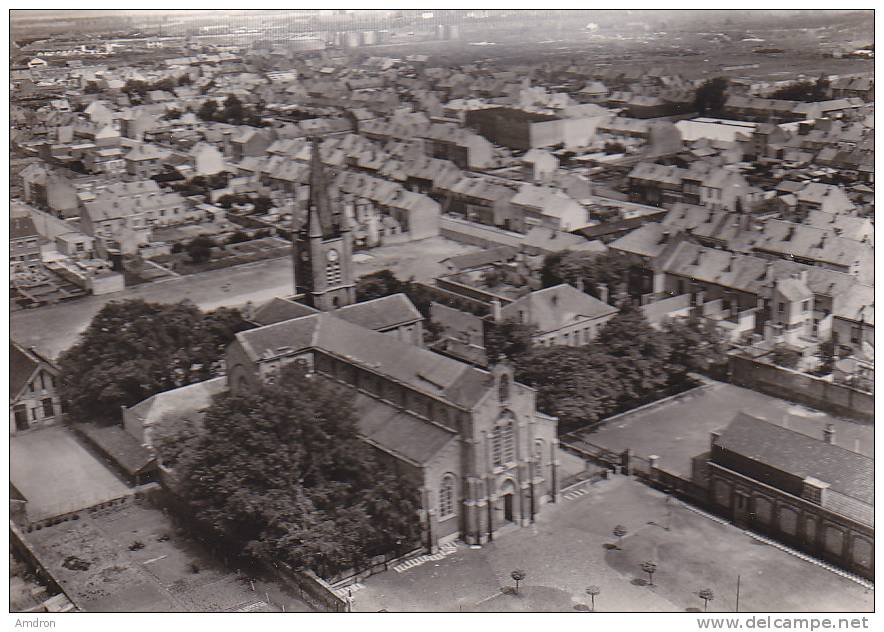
[
  {"x": 679, "y": 428},
  {"x": 58, "y": 475},
  {"x": 570, "y": 548}
]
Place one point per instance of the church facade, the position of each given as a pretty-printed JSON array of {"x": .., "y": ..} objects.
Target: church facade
[{"x": 472, "y": 441}]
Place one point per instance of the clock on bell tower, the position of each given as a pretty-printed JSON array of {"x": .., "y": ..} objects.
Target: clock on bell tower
[{"x": 323, "y": 248}]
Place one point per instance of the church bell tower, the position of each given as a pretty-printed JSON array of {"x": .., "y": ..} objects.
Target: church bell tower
[{"x": 323, "y": 247}]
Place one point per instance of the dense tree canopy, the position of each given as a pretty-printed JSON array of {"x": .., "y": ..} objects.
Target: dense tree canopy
[
  {"x": 628, "y": 364},
  {"x": 200, "y": 248},
  {"x": 282, "y": 473},
  {"x": 378, "y": 284},
  {"x": 711, "y": 96},
  {"x": 232, "y": 111},
  {"x": 385, "y": 282},
  {"x": 695, "y": 347},
  {"x": 508, "y": 338},
  {"x": 133, "y": 349},
  {"x": 807, "y": 91},
  {"x": 611, "y": 269}
]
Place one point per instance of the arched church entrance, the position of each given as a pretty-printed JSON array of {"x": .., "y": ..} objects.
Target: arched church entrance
[{"x": 508, "y": 495}]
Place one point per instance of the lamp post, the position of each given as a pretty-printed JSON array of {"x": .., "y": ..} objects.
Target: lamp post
[
  {"x": 592, "y": 591},
  {"x": 650, "y": 568},
  {"x": 518, "y": 575},
  {"x": 706, "y": 595}
]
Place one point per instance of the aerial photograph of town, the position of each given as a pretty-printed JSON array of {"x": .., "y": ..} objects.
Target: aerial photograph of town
[{"x": 442, "y": 311}]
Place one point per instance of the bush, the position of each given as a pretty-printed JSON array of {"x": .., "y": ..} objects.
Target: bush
[
  {"x": 200, "y": 249},
  {"x": 785, "y": 357},
  {"x": 237, "y": 238}
]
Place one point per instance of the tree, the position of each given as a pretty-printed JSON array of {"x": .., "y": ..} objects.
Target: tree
[
  {"x": 711, "y": 96},
  {"x": 208, "y": 110},
  {"x": 806, "y": 91},
  {"x": 167, "y": 84},
  {"x": 706, "y": 595},
  {"x": 508, "y": 338},
  {"x": 200, "y": 249},
  {"x": 619, "y": 532},
  {"x": 695, "y": 346},
  {"x": 610, "y": 269},
  {"x": 378, "y": 284},
  {"x": 593, "y": 592},
  {"x": 281, "y": 474},
  {"x": 92, "y": 87},
  {"x": 576, "y": 384},
  {"x": 650, "y": 568},
  {"x": 136, "y": 87},
  {"x": 639, "y": 354},
  {"x": 237, "y": 237},
  {"x": 614, "y": 147},
  {"x": 262, "y": 204},
  {"x": 184, "y": 80},
  {"x": 491, "y": 278},
  {"x": 133, "y": 349},
  {"x": 233, "y": 110},
  {"x": 785, "y": 357},
  {"x": 518, "y": 575},
  {"x": 827, "y": 357}
]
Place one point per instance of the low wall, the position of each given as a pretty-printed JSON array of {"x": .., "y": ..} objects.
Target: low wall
[
  {"x": 19, "y": 545},
  {"x": 799, "y": 387},
  {"x": 477, "y": 234},
  {"x": 309, "y": 587}
]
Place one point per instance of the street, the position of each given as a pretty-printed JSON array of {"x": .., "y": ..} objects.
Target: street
[{"x": 54, "y": 328}]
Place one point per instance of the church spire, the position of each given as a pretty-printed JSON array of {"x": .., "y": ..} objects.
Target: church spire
[{"x": 319, "y": 214}]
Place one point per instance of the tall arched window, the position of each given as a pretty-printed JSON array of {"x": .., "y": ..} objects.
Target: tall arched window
[
  {"x": 509, "y": 444},
  {"x": 503, "y": 388},
  {"x": 447, "y": 496},
  {"x": 503, "y": 445}
]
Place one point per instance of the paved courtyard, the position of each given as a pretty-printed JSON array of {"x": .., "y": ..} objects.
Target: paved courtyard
[
  {"x": 678, "y": 429},
  {"x": 570, "y": 548},
  {"x": 158, "y": 576},
  {"x": 57, "y": 474}
]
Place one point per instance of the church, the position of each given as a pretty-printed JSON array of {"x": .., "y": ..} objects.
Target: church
[{"x": 472, "y": 441}]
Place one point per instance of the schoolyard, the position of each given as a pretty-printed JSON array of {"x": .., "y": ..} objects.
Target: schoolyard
[
  {"x": 571, "y": 546},
  {"x": 679, "y": 428}
]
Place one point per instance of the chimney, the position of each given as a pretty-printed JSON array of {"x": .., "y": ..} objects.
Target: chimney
[
  {"x": 699, "y": 298},
  {"x": 769, "y": 272},
  {"x": 713, "y": 440},
  {"x": 790, "y": 234},
  {"x": 579, "y": 284},
  {"x": 829, "y": 433},
  {"x": 602, "y": 289},
  {"x": 664, "y": 238},
  {"x": 495, "y": 310}
]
